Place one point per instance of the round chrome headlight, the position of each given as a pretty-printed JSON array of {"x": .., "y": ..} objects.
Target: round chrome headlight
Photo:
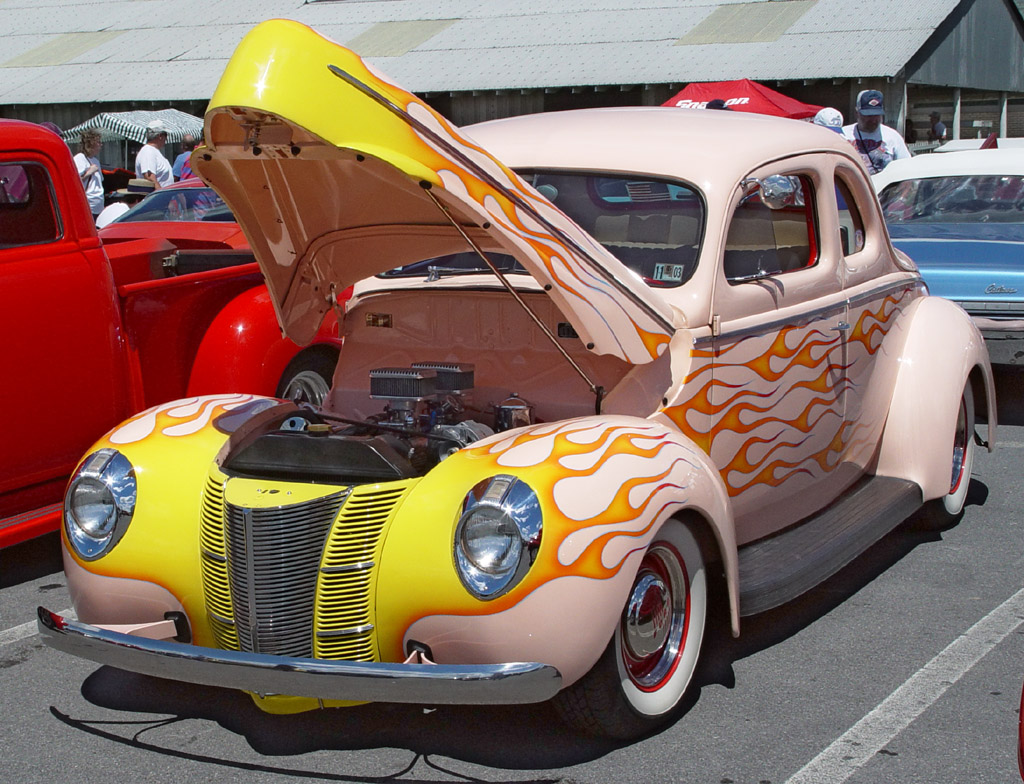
[
  {"x": 99, "y": 503},
  {"x": 498, "y": 535}
]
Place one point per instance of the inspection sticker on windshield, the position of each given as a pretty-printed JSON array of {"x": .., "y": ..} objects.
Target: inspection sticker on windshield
[{"x": 672, "y": 273}]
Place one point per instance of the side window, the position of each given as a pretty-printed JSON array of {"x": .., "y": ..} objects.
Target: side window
[
  {"x": 27, "y": 213},
  {"x": 851, "y": 225},
  {"x": 764, "y": 241}
]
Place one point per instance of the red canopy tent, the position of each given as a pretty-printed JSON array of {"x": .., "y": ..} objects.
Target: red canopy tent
[{"x": 742, "y": 95}]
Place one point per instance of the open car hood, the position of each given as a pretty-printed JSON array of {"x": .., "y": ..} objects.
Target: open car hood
[{"x": 335, "y": 174}]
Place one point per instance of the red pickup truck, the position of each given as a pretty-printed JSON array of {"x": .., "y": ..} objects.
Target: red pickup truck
[{"x": 95, "y": 331}]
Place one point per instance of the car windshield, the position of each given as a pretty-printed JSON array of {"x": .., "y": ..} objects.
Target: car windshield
[
  {"x": 654, "y": 227},
  {"x": 965, "y": 199},
  {"x": 179, "y": 204}
]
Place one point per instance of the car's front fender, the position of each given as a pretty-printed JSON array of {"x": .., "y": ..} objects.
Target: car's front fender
[{"x": 605, "y": 484}]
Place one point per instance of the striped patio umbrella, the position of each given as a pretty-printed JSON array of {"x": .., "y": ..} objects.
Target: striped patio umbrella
[{"x": 118, "y": 126}]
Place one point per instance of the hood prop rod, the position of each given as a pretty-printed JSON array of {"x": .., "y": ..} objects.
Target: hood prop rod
[{"x": 597, "y": 390}]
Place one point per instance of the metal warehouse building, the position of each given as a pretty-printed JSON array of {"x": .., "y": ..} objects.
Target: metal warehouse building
[{"x": 67, "y": 61}]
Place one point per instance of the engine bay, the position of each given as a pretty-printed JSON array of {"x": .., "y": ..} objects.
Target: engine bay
[{"x": 425, "y": 418}]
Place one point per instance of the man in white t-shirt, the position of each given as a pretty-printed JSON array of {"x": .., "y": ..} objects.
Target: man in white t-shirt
[
  {"x": 88, "y": 165},
  {"x": 150, "y": 163},
  {"x": 878, "y": 145}
]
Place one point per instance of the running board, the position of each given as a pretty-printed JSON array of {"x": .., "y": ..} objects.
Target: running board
[
  {"x": 782, "y": 567},
  {"x": 25, "y": 526}
]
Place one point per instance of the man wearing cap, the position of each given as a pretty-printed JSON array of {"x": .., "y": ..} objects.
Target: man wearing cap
[
  {"x": 878, "y": 145},
  {"x": 125, "y": 199},
  {"x": 150, "y": 163}
]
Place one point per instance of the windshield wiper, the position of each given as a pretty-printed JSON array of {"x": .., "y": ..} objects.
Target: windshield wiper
[{"x": 436, "y": 273}]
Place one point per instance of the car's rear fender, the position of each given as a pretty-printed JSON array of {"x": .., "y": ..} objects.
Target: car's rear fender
[{"x": 917, "y": 440}]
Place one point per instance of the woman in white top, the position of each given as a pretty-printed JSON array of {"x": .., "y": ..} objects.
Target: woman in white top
[{"x": 89, "y": 170}]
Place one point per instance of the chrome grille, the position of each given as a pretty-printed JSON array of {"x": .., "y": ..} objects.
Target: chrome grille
[
  {"x": 273, "y": 557},
  {"x": 344, "y": 610},
  {"x": 213, "y": 557}
]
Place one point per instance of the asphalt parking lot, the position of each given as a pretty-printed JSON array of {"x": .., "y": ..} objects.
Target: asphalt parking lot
[{"x": 906, "y": 667}]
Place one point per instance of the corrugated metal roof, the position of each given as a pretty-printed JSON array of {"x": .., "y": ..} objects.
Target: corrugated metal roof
[
  {"x": 747, "y": 23},
  {"x": 177, "y": 50}
]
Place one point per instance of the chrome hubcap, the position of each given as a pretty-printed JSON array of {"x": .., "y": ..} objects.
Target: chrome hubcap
[
  {"x": 307, "y": 387},
  {"x": 653, "y": 627},
  {"x": 648, "y": 617}
]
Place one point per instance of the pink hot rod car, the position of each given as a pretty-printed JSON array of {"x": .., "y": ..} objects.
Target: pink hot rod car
[{"x": 592, "y": 360}]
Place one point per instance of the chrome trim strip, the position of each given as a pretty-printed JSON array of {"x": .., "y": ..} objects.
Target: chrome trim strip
[
  {"x": 221, "y": 618},
  {"x": 810, "y": 316},
  {"x": 509, "y": 683},
  {"x": 354, "y": 631},
  {"x": 353, "y": 567},
  {"x": 214, "y": 556},
  {"x": 250, "y": 580}
]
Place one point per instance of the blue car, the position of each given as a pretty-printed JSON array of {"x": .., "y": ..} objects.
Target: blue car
[{"x": 960, "y": 217}]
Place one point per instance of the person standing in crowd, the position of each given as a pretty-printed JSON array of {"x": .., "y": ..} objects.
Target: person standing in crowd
[
  {"x": 188, "y": 143},
  {"x": 150, "y": 163},
  {"x": 88, "y": 165},
  {"x": 878, "y": 144},
  {"x": 937, "y": 131},
  {"x": 830, "y": 118}
]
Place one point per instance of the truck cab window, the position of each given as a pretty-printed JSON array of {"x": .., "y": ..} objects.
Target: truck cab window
[{"x": 27, "y": 213}]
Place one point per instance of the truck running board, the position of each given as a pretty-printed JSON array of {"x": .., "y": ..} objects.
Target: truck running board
[
  {"x": 779, "y": 568},
  {"x": 27, "y": 525}
]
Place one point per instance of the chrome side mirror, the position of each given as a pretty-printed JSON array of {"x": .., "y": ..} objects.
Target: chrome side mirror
[{"x": 777, "y": 190}]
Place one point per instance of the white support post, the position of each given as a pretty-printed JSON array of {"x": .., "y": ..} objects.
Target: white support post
[
  {"x": 1004, "y": 115},
  {"x": 956, "y": 112}
]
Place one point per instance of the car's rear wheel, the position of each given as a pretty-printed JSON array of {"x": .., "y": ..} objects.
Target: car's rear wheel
[
  {"x": 307, "y": 379},
  {"x": 943, "y": 512},
  {"x": 644, "y": 672}
]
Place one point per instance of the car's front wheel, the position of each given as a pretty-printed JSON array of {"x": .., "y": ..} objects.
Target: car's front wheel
[
  {"x": 943, "y": 512},
  {"x": 644, "y": 672}
]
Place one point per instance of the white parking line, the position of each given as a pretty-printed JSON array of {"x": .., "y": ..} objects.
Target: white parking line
[
  {"x": 867, "y": 737},
  {"x": 24, "y": 630}
]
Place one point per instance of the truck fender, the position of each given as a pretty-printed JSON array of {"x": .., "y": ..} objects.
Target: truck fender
[
  {"x": 244, "y": 350},
  {"x": 942, "y": 352}
]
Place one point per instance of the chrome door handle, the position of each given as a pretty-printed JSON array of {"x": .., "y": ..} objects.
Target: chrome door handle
[{"x": 842, "y": 326}]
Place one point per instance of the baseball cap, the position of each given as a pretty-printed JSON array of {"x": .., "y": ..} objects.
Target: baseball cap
[
  {"x": 830, "y": 118},
  {"x": 869, "y": 102}
]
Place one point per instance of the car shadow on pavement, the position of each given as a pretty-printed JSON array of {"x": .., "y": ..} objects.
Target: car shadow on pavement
[
  {"x": 518, "y": 737},
  {"x": 775, "y": 626},
  {"x": 1009, "y": 380},
  {"x": 31, "y": 560}
]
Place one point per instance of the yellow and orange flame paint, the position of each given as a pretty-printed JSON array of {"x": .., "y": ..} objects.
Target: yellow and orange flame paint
[{"x": 769, "y": 408}]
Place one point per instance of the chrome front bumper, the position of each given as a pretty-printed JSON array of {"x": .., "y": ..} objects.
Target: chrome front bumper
[{"x": 431, "y": 684}]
